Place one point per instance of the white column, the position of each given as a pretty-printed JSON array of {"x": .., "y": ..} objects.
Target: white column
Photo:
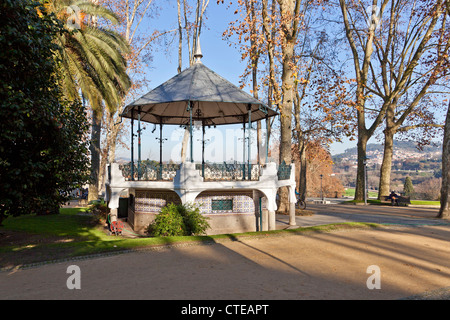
[
  {"x": 265, "y": 220},
  {"x": 113, "y": 203},
  {"x": 292, "y": 221},
  {"x": 272, "y": 220},
  {"x": 271, "y": 208},
  {"x": 292, "y": 201}
]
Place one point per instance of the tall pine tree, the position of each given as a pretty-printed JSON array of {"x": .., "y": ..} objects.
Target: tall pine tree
[{"x": 408, "y": 188}]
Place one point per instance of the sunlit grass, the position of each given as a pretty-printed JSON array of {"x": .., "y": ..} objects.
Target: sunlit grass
[
  {"x": 425, "y": 202},
  {"x": 71, "y": 222},
  {"x": 350, "y": 192},
  {"x": 76, "y": 234}
]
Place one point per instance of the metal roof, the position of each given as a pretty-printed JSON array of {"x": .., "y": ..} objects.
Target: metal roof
[{"x": 215, "y": 100}]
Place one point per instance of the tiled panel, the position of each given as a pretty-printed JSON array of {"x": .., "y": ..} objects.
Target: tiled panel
[
  {"x": 242, "y": 202},
  {"x": 153, "y": 201}
]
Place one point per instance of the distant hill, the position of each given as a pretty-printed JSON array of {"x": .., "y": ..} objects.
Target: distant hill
[
  {"x": 405, "y": 146},
  {"x": 424, "y": 167}
]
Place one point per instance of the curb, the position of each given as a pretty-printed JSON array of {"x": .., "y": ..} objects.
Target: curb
[
  {"x": 438, "y": 294},
  {"x": 103, "y": 255}
]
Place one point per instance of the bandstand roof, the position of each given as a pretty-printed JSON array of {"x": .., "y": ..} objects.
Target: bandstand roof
[{"x": 215, "y": 100}]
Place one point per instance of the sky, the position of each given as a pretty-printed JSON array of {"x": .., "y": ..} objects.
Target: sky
[{"x": 223, "y": 143}]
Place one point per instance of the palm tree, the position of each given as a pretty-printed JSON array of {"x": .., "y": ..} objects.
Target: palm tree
[{"x": 91, "y": 63}]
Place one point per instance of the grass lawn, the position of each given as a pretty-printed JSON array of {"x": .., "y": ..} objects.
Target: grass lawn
[
  {"x": 74, "y": 232},
  {"x": 426, "y": 202},
  {"x": 413, "y": 202},
  {"x": 350, "y": 192}
]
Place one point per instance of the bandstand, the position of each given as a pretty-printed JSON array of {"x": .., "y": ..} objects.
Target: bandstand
[{"x": 236, "y": 197}]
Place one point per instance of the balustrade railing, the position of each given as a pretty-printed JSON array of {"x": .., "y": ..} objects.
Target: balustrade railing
[
  {"x": 152, "y": 171},
  {"x": 284, "y": 171},
  {"x": 229, "y": 171},
  {"x": 149, "y": 171}
]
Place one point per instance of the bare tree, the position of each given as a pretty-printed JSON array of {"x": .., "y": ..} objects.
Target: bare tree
[
  {"x": 132, "y": 14},
  {"x": 276, "y": 39},
  {"x": 389, "y": 59},
  {"x": 402, "y": 75},
  {"x": 193, "y": 31},
  {"x": 444, "y": 211},
  {"x": 361, "y": 42}
]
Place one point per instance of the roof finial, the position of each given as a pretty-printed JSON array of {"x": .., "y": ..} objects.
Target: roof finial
[{"x": 198, "y": 52}]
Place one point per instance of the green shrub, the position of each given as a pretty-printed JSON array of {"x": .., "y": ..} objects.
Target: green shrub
[
  {"x": 178, "y": 220},
  {"x": 194, "y": 222}
]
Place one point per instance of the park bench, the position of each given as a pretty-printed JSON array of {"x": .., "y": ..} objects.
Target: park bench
[{"x": 404, "y": 201}]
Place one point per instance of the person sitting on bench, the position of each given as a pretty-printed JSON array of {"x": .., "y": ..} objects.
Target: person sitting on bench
[{"x": 394, "y": 198}]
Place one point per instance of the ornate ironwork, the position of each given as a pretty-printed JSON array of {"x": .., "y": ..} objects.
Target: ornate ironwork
[
  {"x": 222, "y": 205},
  {"x": 150, "y": 171},
  {"x": 228, "y": 172},
  {"x": 153, "y": 171},
  {"x": 284, "y": 171}
]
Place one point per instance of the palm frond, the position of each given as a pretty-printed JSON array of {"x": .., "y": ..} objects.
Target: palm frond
[{"x": 91, "y": 57}]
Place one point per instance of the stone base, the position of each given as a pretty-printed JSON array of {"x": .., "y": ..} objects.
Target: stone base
[{"x": 231, "y": 223}]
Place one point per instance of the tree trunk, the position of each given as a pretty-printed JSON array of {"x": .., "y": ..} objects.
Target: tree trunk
[
  {"x": 301, "y": 144},
  {"x": 287, "y": 104},
  {"x": 180, "y": 38},
  {"x": 109, "y": 151},
  {"x": 360, "y": 172},
  {"x": 259, "y": 139},
  {"x": 386, "y": 165},
  {"x": 255, "y": 59},
  {"x": 287, "y": 79},
  {"x": 254, "y": 56},
  {"x": 286, "y": 127},
  {"x": 95, "y": 156},
  {"x": 115, "y": 131},
  {"x": 444, "y": 211},
  {"x": 200, "y": 9},
  {"x": 361, "y": 79},
  {"x": 289, "y": 11},
  {"x": 302, "y": 184},
  {"x": 101, "y": 174},
  {"x": 272, "y": 90}
]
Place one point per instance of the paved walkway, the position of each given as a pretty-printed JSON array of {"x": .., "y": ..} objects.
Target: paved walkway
[
  {"x": 338, "y": 212},
  {"x": 413, "y": 260}
]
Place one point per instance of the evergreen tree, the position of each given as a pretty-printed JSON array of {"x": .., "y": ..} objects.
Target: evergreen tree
[
  {"x": 408, "y": 188},
  {"x": 43, "y": 152}
]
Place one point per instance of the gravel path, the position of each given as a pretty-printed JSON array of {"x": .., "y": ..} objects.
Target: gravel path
[
  {"x": 412, "y": 252},
  {"x": 413, "y": 264}
]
